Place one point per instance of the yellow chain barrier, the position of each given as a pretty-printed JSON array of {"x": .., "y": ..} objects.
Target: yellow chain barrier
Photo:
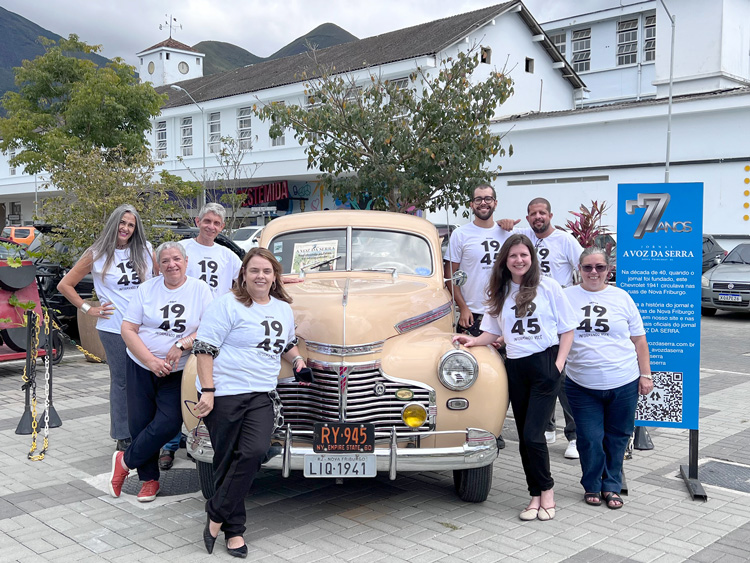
[{"x": 78, "y": 346}]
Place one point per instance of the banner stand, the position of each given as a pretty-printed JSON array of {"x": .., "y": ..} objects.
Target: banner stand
[{"x": 690, "y": 472}]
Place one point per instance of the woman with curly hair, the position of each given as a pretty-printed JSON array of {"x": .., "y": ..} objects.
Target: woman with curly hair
[{"x": 536, "y": 322}]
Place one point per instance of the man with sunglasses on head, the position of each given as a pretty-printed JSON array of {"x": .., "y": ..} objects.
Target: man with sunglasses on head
[
  {"x": 473, "y": 248},
  {"x": 558, "y": 254}
]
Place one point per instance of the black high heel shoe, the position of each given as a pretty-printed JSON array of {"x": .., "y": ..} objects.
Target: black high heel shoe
[
  {"x": 237, "y": 551},
  {"x": 208, "y": 539}
]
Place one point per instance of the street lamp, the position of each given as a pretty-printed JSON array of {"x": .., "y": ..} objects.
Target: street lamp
[
  {"x": 672, "y": 19},
  {"x": 202, "y": 200}
]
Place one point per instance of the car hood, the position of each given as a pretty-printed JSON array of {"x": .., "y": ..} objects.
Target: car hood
[
  {"x": 729, "y": 272},
  {"x": 352, "y": 311}
]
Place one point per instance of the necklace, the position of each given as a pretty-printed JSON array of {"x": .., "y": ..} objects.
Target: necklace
[{"x": 121, "y": 246}]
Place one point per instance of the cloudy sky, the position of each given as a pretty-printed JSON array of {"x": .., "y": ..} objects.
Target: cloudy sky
[{"x": 261, "y": 27}]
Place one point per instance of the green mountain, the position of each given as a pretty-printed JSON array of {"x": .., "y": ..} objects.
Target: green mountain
[
  {"x": 18, "y": 42},
  {"x": 325, "y": 35},
  {"x": 222, "y": 56}
]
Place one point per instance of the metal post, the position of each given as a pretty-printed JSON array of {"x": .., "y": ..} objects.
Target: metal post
[
  {"x": 204, "y": 132},
  {"x": 669, "y": 104},
  {"x": 690, "y": 472},
  {"x": 24, "y": 425}
]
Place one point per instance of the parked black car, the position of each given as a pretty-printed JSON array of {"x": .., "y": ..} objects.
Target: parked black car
[
  {"x": 50, "y": 273},
  {"x": 713, "y": 253}
]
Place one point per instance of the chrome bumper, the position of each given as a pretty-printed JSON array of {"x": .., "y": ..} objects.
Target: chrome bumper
[{"x": 479, "y": 449}]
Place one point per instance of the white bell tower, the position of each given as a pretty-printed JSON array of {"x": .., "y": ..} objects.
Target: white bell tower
[{"x": 168, "y": 62}]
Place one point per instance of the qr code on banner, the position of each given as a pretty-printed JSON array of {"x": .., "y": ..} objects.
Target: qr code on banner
[{"x": 664, "y": 403}]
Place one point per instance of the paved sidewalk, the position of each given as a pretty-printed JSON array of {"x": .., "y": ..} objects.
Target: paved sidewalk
[{"x": 58, "y": 509}]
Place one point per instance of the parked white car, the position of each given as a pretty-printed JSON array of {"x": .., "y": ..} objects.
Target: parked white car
[{"x": 247, "y": 237}]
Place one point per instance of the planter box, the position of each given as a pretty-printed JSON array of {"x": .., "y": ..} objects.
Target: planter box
[{"x": 89, "y": 336}]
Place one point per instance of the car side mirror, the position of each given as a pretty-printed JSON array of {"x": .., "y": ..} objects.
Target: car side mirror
[{"x": 459, "y": 278}]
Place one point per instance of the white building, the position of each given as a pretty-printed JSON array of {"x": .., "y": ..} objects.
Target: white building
[
  {"x": 588, "y": 151},
  {"x": 186, "y": 137},
  {"x": 578, "y": 128}
]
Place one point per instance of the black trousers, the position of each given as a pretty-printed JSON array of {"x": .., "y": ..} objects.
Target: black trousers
[
  {"x": 533, "y": 383},
  {"x": 240, "y": 427},
  {"x": 154, "y": 417}
]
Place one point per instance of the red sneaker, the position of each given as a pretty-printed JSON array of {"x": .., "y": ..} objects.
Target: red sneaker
[
  {"x": 149, "y": 490},
  {"x": 118, "y": 475}
]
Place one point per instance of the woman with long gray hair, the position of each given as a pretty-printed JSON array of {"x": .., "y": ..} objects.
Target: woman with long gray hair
[{"x": 119, "y": 261}]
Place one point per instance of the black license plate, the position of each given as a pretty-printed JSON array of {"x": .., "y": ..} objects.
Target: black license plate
[{"x": 343, "y": 437}]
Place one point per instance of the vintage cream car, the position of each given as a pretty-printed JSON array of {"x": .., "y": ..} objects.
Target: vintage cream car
[{"x": 391, "y": 392}]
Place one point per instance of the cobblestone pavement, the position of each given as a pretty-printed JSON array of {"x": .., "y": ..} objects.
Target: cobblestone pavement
[{"x": 58, "y": 509}]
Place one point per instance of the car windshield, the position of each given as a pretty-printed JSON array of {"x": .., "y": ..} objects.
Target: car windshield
[
  {"x": 739, "y": 255},
  {"x": 371, "y": 249}
]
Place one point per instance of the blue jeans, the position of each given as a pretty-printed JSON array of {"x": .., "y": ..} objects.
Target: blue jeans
[
  {"x": 154, "y": 416},
  {"x": 117, "y": 358},
  {"x": 604, "y": 423}
]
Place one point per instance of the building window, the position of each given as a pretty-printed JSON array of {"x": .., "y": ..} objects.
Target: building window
[
  {"x": 627, "y": 42},
  {"x": 279, "y": 141},
  {"x": 244, "y": 130},
  {"x": 197, "y": 61},
  {"x": 529, "y": 65},
  {"x": 12, "y": 154},
  {"x": 581, "y": 46},
  {"x": 186, "y": 136},
  {"x": 486, "y": 55},
  {"x": 167, "y": 55},
  {"x": 214, "y": 132},
  {"x": 141, "y": 61},
  {"x": 558, "y": 40},
  {"x": 649, "y": 35},
  {"x": 161, "y": 139}
]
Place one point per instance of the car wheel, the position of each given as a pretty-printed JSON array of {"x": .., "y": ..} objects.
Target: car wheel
[
  {"x": 708, "y": 312},
  {"x": 58, "y": 347},
  {"x": 206, "y": 478},
  {"x": 473, "y": 485}
]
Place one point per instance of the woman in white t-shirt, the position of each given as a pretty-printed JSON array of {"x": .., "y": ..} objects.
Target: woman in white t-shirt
[
  {"x": 119, "y": 261},
  {"x": 536, "y": 322},
  {"x": 239, "y": 346},
  {"x": 158, "y": 328},
  {"x": 608, "y": 366}
]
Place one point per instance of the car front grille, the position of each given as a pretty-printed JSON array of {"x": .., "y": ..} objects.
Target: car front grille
[
  {"x": 735, "y": 286},
  {"x": 369, "y": 396}
]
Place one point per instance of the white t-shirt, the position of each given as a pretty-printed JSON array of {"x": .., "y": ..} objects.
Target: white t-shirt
[
  {"x": 166, "y": 315},
  {"x": 216, "y": 265},
  {"x": 603, "y": 356},
  {"x": 550, "y": 315},
  {"x": 250, "y": 341},
  {"x": 475, "y": 248},
  {"x": 558, "y": 254},
  {"x": 118, "y": 285}
]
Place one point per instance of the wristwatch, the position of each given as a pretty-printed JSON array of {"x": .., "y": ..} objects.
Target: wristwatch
[{"x": 179, "y": 345}]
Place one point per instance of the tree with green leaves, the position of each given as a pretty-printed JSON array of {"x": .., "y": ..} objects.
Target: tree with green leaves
[
  {"x": 422, "y": 143},
  {"x": 92, "y": 184},
  {"x": 68, "y": 103}
]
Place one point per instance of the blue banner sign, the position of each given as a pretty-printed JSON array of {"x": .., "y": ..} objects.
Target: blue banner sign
[{"x": 659, "y": 258}]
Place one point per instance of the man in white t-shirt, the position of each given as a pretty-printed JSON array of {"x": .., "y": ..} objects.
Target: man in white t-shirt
[
  {"x": 212, "y": 263},
  {"x": 558, "y": 254},
  {"x": 473, "y": 248}
]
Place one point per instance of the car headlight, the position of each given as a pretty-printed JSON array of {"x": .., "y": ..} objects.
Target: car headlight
[
  {"x": 457, "y": 370},
  {"x": 704, "y": 281}
]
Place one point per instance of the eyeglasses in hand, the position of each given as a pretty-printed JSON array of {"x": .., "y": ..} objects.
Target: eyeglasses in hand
[{"x": 485, "y": 199}]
